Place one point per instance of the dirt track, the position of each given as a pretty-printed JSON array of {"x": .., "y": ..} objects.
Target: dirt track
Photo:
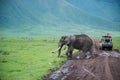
[{"x": 105, "y": 66}]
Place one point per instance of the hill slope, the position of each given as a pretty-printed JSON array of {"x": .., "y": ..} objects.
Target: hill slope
[{"x": 58, "y": 17}]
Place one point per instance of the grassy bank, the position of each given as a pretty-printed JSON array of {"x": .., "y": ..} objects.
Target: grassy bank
[
  {"x": 26, "y": 58},
  {"x": 30, "y": 58},
  {"x": 116, "y": 43}
]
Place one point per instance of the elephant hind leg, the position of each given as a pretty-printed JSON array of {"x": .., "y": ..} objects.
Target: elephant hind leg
[
  {"x": 91, "y": 51},
  {"x": 91, "y": 54},
  {"x": 83, "y": 55}
]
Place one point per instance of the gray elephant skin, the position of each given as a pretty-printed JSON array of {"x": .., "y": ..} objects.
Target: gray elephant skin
[{"x": 80, "y": 42}]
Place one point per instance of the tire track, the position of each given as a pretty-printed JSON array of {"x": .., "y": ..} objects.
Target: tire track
[{"x": 108, "y": 74}]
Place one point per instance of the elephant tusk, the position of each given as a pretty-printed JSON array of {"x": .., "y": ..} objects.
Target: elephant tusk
[{"x": 56, "y": 50}]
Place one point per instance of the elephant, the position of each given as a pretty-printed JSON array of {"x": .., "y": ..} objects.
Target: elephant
[{"x": 80, "y": 42}]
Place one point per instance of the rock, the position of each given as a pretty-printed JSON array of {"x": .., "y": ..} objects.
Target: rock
[
  {"x": 88, "y": 56},
  {"x": 65, "y": 70},
  {"x": 78, "y": 57},
  {"x": 56, "y": 75}
]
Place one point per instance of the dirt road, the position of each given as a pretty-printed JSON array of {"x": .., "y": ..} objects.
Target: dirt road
[{"x": 105, "y": 66}]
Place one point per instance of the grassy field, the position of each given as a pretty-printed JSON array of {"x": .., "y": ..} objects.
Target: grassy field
[
  {"x": 26, "y": 58},
  {"x": 30, "y": 58}
]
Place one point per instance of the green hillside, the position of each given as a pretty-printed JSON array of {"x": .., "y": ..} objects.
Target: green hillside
[{"x": 58, "y": 17}]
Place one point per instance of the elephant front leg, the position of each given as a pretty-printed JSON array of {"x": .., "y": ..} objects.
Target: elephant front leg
[
  {"x": 69, "y": 55},
  {"x": 69, "y": 52}
]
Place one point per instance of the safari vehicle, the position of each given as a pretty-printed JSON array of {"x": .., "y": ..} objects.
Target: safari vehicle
[{"x": 106, "y": 43}]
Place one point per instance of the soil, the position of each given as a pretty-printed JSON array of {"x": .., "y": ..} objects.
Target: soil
[{"x": 105, "y": 65}]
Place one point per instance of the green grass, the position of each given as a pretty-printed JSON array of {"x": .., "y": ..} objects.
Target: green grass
[
  {"x": 116, "y": 43},
  {"x": 30, "y": 59},
  {"x": 25, "y": 59}
]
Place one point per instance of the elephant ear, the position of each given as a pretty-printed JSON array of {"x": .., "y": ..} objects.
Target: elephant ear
[
  {"x": 67, "y": 40},
  {"x": 70, "y": 39}
]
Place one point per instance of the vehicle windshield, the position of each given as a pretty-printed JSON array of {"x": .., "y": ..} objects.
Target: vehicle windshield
[{"x": 106, "y": 39}]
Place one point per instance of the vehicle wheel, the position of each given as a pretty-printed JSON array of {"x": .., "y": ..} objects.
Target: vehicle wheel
[
  {"x": 102, "y": 48},
  {"x": 110, "y": 48}
]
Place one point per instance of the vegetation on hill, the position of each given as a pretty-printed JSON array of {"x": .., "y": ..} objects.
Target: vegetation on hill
[{"x": 57, "y": 17}]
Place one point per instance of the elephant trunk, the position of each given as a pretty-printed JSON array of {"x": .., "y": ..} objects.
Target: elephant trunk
[{"x": 59, "y": 50}]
